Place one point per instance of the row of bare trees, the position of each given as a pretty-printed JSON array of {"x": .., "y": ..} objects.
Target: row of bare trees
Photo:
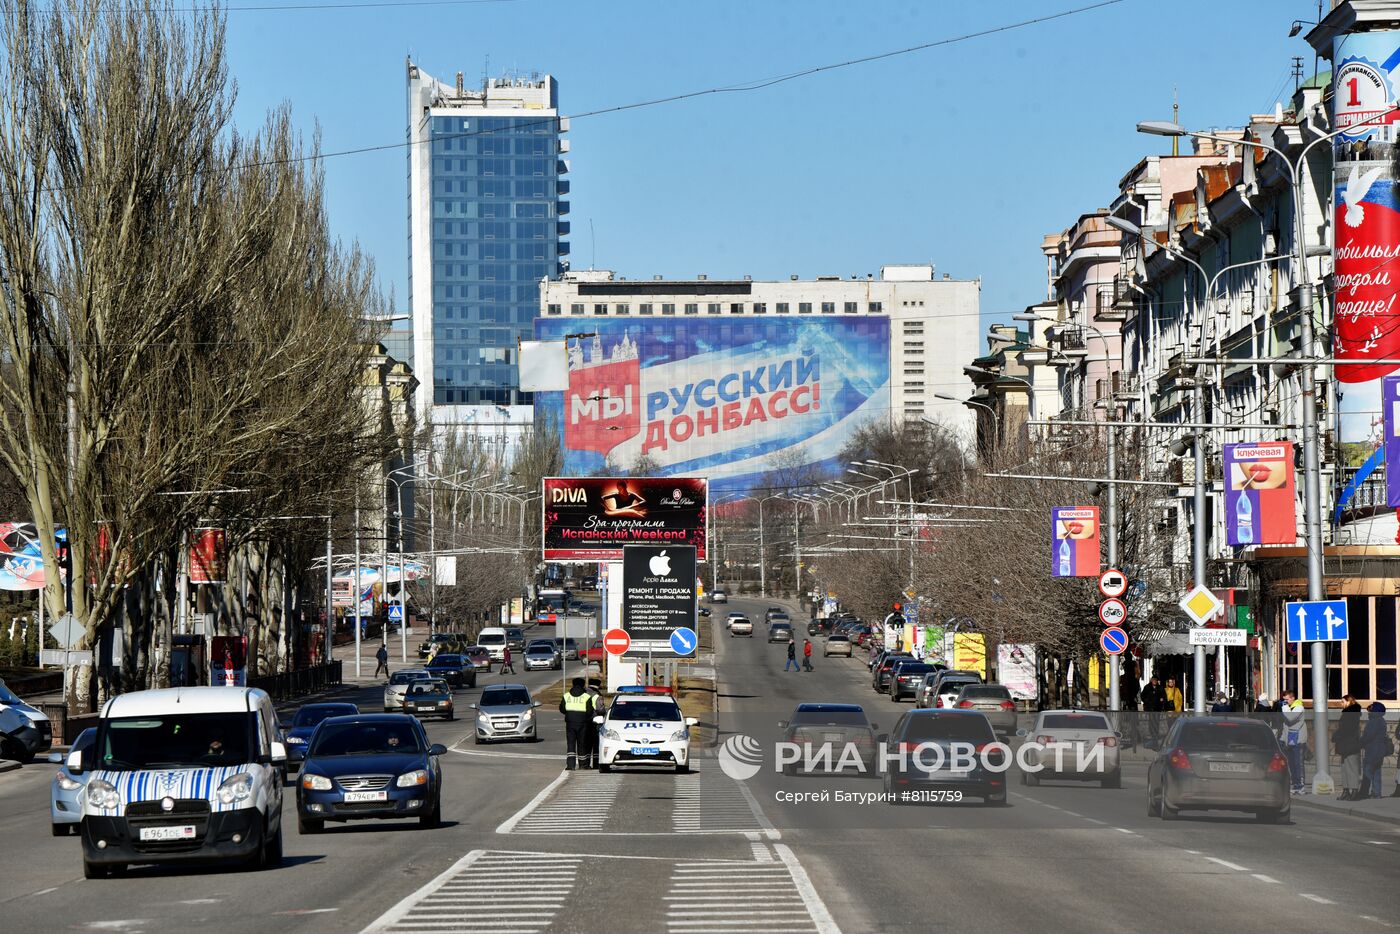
[{"x": 175, "y": 317}]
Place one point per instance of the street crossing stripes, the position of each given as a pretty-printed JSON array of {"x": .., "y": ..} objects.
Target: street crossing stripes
[
  {"x": 487, "y": 892},
  {"x": 582, "y": 805},
  {"x": 711, "y": 897},
  {"x": 710, "y": 802}
]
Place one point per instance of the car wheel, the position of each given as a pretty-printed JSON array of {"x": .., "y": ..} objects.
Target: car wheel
[
  {"x": 310, "y": 825},
  {"x": 1151, "y": 803},
  {"x": 1113, "y": 781},
  {"x": 272, "y": 852},
  {"x": 682, "y": 769},
  {"x": 94, "y": 871},
  {"x": 450, "y": 717},
  {"x": 604, "y": 768},
  {"x": 60, "y": 830},
  {"x": 1274, "y": 817},
  {"x": 477, "y": 740},
  {"x": 434, "y": 817},
  {"x": 1165, "y": 810},
  {"x": 995, "y": 801}
]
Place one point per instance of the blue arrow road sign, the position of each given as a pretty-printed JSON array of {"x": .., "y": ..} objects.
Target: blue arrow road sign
[
  {"x": 1316, "y": 620},
  {"x": 396, "y": 613},
  {"x": 683, "y": 641},
  {"x": 1113, "y": 640}
]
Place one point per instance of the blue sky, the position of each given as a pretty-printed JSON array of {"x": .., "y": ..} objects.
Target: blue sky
[{"x": 963, "y": 155}]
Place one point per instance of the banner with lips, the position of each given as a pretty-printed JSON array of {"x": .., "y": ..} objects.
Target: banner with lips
[
  {"x": 1075, "y": 541},
  {"x": 1260, "y": 500}
]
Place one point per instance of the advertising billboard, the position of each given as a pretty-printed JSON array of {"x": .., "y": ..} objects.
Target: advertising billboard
[
  {"x": 729, "y": 399},
  {"x": 593, "y": 518},
  {"x": 1260, "y": 502},
  {"x": 1390, "y": 420},
  {"x": 228, "y": 661},
  {"x": 1016, "y": 668},
  {"x": 1075, "y": 543},
  {"x": 1366, "y": 232},
  {"x": 658, "y": 597},
  {"x": 208, "y": 557}
]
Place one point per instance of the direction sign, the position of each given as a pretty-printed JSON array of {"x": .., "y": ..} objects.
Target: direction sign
[
  {"x": 1113, "y": 640},
  {"x": 1219, "y": 637},
  {"x": 616, "y": 641},
  {"x": 396, "y": 613},
  {"x": 66, "y": 631},
  {"x": 1113, "y": 583},
  {"x": 684, "y": 641},
  {"x": 1112, "y": 612},
  {"x": 1316, "y": 620},
  {"x": 1200, "y": 604}
]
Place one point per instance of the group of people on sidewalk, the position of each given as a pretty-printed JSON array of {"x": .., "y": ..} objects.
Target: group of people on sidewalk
[{"x": 1363, "y": 751}]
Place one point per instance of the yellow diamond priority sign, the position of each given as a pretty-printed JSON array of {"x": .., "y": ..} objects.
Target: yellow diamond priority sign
[{"x": 1200, "y": 604}]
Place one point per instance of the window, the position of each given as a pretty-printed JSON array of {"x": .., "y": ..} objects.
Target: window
[
  {"x": 554, "y": 309},
  {"x": 668, "y": 309},
  {"x": 692, "y": 309},
  {"x": 804, "y": 308},
  {"x": 600, "y": 308},
  {"x": 736, "y": 308},
  {"x": 760, "y": 308},
  {"x": 644, "y": 309},
  {"x": 876, "y": 308},
  {"x": 782, "y": 308},
  {"x": 908, "y": 344},
  {"x": 828, "y": 308},
  {"x": 713, "y": 308},
  {"x": 851, "y": 308},
  {"x": 576, "y": 308},
  {"x": 623, "y": 308}
]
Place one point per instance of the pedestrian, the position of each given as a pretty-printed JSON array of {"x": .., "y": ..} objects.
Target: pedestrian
[
  {"x": 791, "y": 657},
  {"x": 382, "y": 656},
  {"x": 1262, "y": 704},
  {"x": 507, "y": 662},
  {"x": 1175, "y": 702},
  {"x": 578, "y": 707},
  {"x": 1294, "y": 737},
  {"x": 1396, "y": 792},
  {"x": 1347, "y": 743},
  {"x": 1154, "y": 701},
  {"x": 1375, "y": 746},
  {"x": 807, "y": 654}
]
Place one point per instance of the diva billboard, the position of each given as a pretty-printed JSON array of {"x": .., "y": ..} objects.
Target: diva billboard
[
  {"x": 594, "y": 518},
  {"x": 728, "y": 399}
]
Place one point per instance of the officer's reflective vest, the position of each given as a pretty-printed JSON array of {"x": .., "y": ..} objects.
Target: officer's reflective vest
[{"x": 577, "y": 703}]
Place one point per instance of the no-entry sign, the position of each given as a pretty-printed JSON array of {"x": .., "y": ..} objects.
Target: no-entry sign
[{"x": 616, "y": 641}]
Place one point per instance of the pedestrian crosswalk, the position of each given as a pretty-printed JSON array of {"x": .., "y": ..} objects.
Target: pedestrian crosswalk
[
  {"x": 583, "y": 804},
  {"x": 710, "y": 802},
  {"x": 488, "y": 892},
  {"x": 718, "y": 896}
]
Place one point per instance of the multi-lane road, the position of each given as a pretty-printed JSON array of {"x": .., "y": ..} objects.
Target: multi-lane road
[{"x": 527, "y": 847}]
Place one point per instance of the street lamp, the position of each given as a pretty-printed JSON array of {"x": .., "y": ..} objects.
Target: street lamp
[{"x": 996, "y": 422}]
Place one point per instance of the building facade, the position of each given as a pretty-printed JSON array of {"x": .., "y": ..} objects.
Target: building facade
[{"x": 485, "y": 185}]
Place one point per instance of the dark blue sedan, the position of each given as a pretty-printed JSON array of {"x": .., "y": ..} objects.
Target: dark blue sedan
[
  {"x": 370, "y": 767},
  {"x": 304, "y": 724}
]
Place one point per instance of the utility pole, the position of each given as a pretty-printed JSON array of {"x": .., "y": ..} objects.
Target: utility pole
[
  {"x": 355, "y": 584},
  {"x": 1198, "y": 542},
  {"x": 762, "y": 556},
  {"x": 1115, "y": 701},
  {"x": 330, "y": 592},
  {"x": 797, "y": 550}
]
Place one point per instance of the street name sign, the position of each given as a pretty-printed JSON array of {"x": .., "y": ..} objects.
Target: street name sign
[
  {"x": 1219, "y": 637},
  {"x": 1316, "y": 620}
]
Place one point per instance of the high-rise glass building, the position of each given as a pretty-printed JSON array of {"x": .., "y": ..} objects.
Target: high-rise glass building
[{"x": 484, "y": 184}]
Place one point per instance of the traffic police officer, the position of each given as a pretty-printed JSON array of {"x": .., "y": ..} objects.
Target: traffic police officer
[{"x": 578, "y": 707}]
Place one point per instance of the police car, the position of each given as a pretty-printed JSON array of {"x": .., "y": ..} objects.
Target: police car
[{"x": 644, "y": 726}]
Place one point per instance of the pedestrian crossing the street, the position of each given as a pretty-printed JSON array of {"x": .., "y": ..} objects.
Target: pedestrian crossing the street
[
  {"x": 487, "y": 892},
  {"x": 581, "y": 805}
]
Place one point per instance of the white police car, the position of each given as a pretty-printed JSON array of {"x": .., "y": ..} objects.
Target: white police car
[{"x": 644, "y": 726}]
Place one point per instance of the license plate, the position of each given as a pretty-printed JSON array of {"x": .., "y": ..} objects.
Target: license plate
[
  {"x": 646, "y": 750},
  {"x": 1229, "y": 767},
  {"x": 834, "y": 737},
  {"x": 353, "y": 796},
  {"x": 948, "y": 775},
  {"x": 185, "y": 832}
]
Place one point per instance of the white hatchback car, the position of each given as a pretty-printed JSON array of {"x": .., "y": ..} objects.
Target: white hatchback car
[
  {"x": 1072, "y": 744},
  {"x": 396, "y": 688},
  {"x": 644, "y": 726}
]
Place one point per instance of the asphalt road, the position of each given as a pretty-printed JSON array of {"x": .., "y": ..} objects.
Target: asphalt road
[{"x": 527, "y": 847}]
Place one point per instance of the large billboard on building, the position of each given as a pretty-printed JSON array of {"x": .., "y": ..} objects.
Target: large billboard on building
[
  {"x": 733, "y": 400},
  {"x": 594, "y": 518},
  {"x": 1366, "y": 233}
]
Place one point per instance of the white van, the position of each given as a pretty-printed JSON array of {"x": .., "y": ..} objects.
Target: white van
[
  {"x": 183, "y": 775},
  {"x": 493, "y": 639},
  {"x": 25, "y": 731}
]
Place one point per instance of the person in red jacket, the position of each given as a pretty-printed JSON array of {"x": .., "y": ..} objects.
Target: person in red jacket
[{"x": 807, "y": 654}]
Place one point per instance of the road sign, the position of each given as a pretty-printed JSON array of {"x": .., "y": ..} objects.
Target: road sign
[
  {"x": 658, "y": 598},
  {"x": 1200, "y": 604},
  {"x": 1113, "y": 640},
  {"x": 62, "y": 657},
  {"x": 1113, "y": 583},
  {"x": 1219, "y": 637},
  {"x": 66, "y": 631},
  {"x": 684, "y": 641},
  {"x": 396, "y": 613},
  {"x": 1112, "y": 612},
  {"x": 616, "y": 641},
  {"x": 1316, "y": 620}
]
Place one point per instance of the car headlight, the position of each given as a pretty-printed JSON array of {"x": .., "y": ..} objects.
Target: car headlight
[
  {"x": 611, "y": 734},
  {"x": 410, "y": 779},
  {"x": 67, "y": 783},
  {"x": 679, "y": 735},
  {"x": 529, "y": 715},
  {"x": 315, "y": 783},
  {"x": 102, "y": 795},
  {"x": 297, "y": 740},
  {"x": 236, "y": 788}
]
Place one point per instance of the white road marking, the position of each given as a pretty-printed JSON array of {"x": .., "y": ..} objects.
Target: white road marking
[
  {"x": 1269, "y": 879},
  {"x": 1094, "y": 820},
  {"x": 815, "y": 906},
  {"x": 1375, "y": 920},
  {"x": 487, "y": 891},
  {"x": 1375, "y": 842},
  {"x": 43, "y": 891},
  {"x": 1228, "y": 865},
  {"x": 1125, "y": 830},
  {"x": 1317, "y": 898},
  {"x": 524, "y": 812}
]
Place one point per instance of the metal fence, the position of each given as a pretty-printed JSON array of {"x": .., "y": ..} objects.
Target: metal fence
[{"x": 303, "y": 681}]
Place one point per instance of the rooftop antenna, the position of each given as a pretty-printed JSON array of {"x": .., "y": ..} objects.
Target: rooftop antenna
[{"x": 1176, "y": 109}]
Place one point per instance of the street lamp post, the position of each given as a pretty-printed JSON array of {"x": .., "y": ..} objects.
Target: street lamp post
[{"x": 996, "y": 422}]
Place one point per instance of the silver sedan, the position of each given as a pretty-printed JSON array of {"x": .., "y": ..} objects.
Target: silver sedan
[{"x": 65, "y": 811}]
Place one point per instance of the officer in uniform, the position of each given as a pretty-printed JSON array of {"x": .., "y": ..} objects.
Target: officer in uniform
[{"x": 578, "y": 707}]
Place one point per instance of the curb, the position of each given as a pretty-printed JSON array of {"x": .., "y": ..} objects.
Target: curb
[
  {"x": 1299, "y": 800},
  {"x": 8, "y": 765}
]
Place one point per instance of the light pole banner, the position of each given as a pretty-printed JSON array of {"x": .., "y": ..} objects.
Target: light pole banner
[
  {"x": 1075, "y": 544},
  {"x": 1390, "y": 418},
  {"x": 1016, "y": 670},
  {"x": 1260, "y": 502},
  {"x": 1366, "y": 233}
]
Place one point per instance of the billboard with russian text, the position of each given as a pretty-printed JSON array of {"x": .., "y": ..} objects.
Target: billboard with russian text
[
  {"x": 733, "y": 400},
  {"x": 1075, "y": 542},
  {"x": 1260, "y": 502},
  {"x": 594, "y": 518}
]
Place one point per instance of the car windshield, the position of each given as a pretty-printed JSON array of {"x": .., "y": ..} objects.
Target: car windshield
[
  {"x": 381, "y": 737},
  {"x": 443, "y": 661},
  {"x": 85, "y": 740},
  {"x": 831, "y": 716},
  {"x": 838, "y": 638},
  {"x": 428, "y": 687},
  {"x": 492, "y": 638},
  {"x": 1074, "y": 721},
  {"x": 954, "y": 685},
  {"x": 540, "y": 647},
  {"x": 1226, "y": 737},
  {"x": 516, "y": 633},
  {"x": 991, "y": 692},
  {"x": 407, "y": 677},
  {"x": 645, "y": 710},
  {"x": 315, "y": 713},
  {"x": 175, "y": 741},
  {"x": 960, "y": 728},
  {"x": 8, "y": 697},
  {"x": 909, "y": 670},
  {"x": 505, "y": 697}
]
